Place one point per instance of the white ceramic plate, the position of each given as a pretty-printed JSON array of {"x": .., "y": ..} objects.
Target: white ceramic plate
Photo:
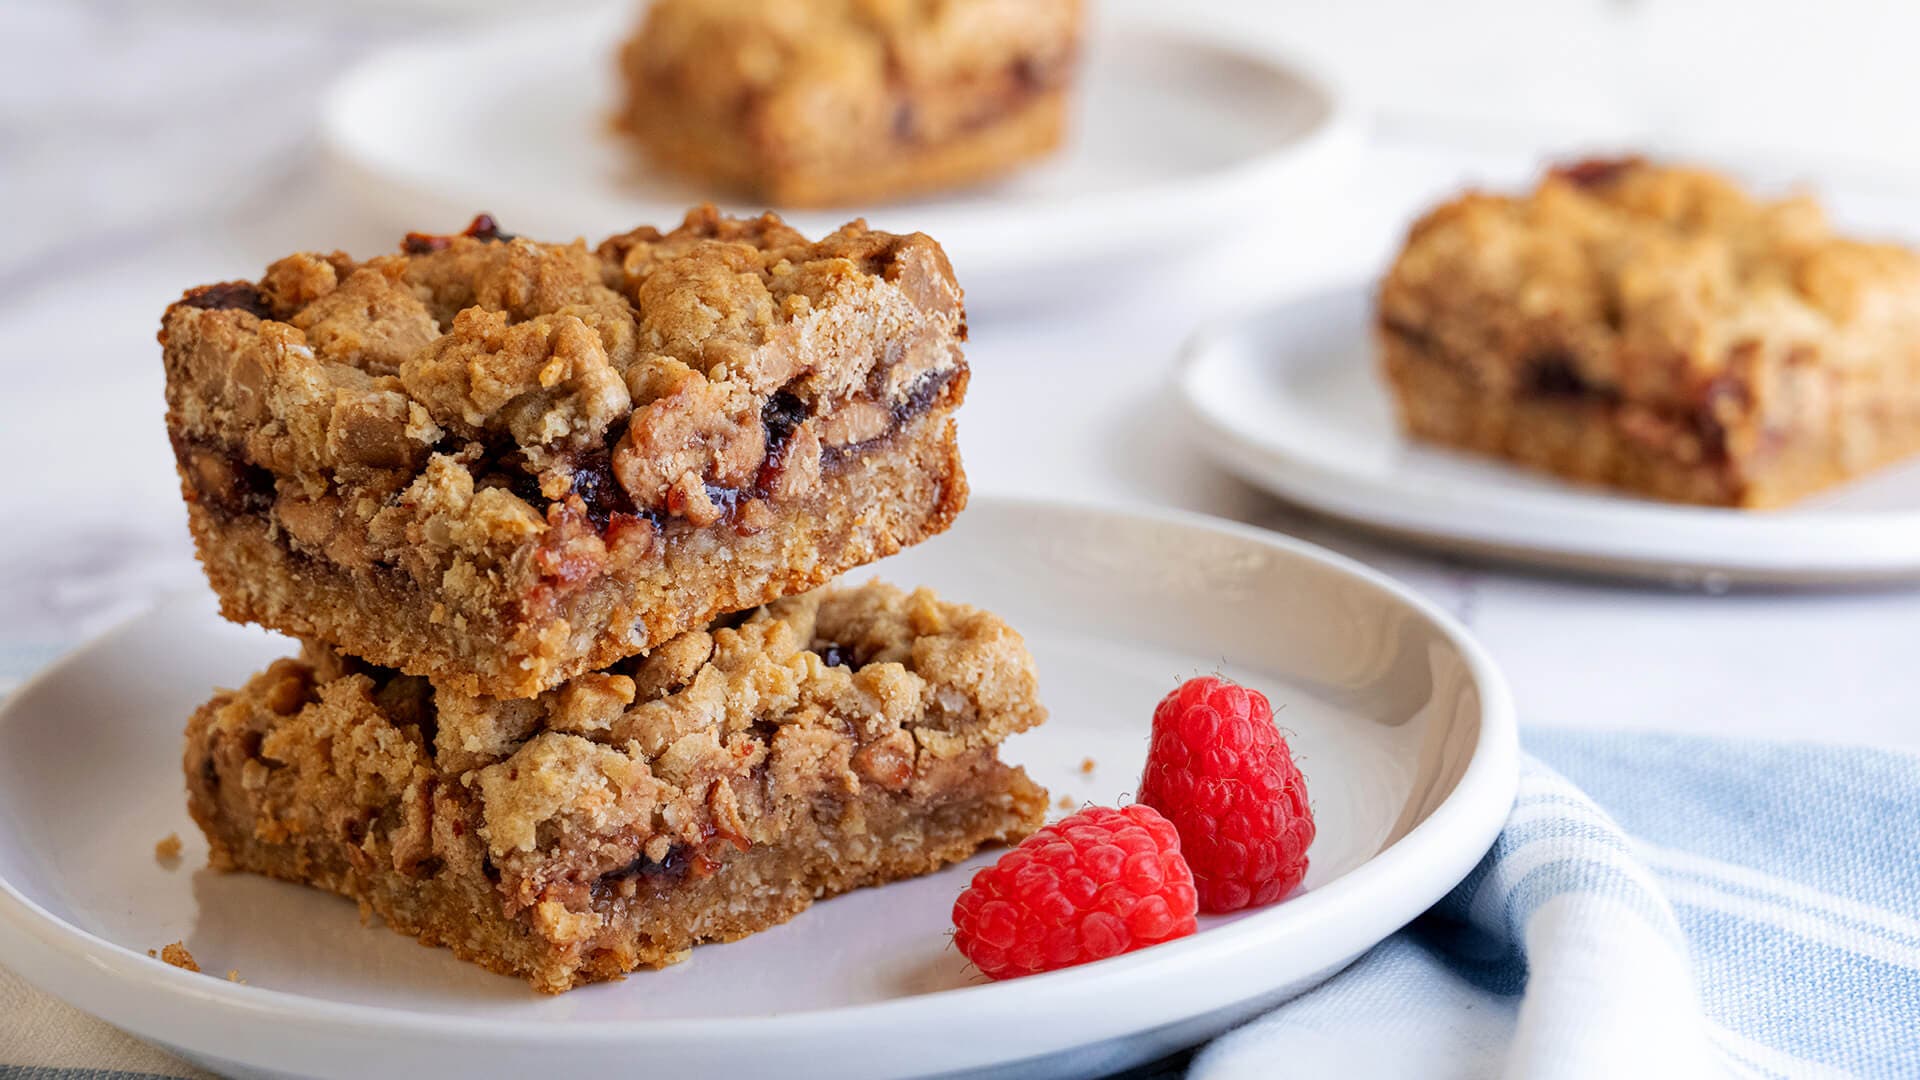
[
  {"x": 1173, "y": 135},
  {"x": 1403, "y": 728},
  {"x": 1289, "y": 398}
]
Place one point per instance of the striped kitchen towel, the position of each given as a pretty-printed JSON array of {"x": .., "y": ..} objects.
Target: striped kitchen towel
[{"x": 1656, "y": 906}]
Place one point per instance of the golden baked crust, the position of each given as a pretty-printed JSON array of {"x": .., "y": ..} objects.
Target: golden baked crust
[
  {"x": 1658, "y": 330},
  {"x": 824, "y": 102},
  {"x": 501, "y": 463},
  {"x": 830, "y": 741}
]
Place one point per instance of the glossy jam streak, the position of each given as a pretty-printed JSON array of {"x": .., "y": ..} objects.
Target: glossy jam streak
[
  {"x": 781, "y": 416},
  {"x": 918, "y": 401},
  {"x": 228, "y": 296},
  {"x": 1597, "y": 172},
  {"x": 922, "y": 396},
  {"x": 592, "y": 478},
  {"x": 482, "y": 227},
  {"x": 1555, "y": 375},
  {"x": 604, "y": 497},
  {"x": 667, "y": 871},
  {"x": 728, "y": 499},
  {"x": 245, "y": 488},
  {"x": 607, "y": 502}
]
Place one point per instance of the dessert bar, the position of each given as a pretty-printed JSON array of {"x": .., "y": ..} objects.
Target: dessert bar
[
  {"x": 503, "y": 463},
  {"x": 1657, "y": 330},
  {"x": 720, "y": 785},
  {"x": 823, "y": 102}
]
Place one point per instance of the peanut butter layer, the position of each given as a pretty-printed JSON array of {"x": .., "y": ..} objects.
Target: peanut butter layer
[
  {"x": 494, "y": 455},
  {"x": 1659, "y": 330},
  {"x": 830, "y": 741},
  {"x": 821, "y": 102}
]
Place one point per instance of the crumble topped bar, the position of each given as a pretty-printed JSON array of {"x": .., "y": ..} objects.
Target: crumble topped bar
[
  {"x": 829, "y": 741},
  {"x": 1659, "y": 330},
  {"x": 501, "y": 463},
  {"x": 821, "y": 102}
]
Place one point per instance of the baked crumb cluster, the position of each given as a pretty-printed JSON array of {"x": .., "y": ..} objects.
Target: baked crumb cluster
[
  {"x": 1736, "y": 337},
  {"x": 624, "y": 763},
  {"x": 176, "y": 955},
  {"x": 829, "y": 101},
  {"x": 565, "y": 809},
  {"x": 553, "y": 447}
]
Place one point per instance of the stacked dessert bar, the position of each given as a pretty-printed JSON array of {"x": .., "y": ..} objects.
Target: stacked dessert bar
[{"x": 553, "y": 524}]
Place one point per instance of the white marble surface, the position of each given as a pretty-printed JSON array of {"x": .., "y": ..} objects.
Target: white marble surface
[{"x": 147, "y": 147}]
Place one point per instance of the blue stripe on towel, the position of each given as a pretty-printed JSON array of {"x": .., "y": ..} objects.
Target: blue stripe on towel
[{"x": 1771, "y": 898}]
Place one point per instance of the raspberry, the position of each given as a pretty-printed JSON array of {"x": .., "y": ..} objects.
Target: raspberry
[
  {"x": 1220, "y": 771},
  {"x": 1096, "y": 884}
]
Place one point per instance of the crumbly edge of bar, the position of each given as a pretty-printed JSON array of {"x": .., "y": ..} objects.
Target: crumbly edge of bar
[
  {"x": 1025, "y": 133},
  {"x": 1599, "y": 440},
  {"x": 653, "y": 588},
  {"x": 485, "y": 397},
  {"x": 899, "y": 80},
  {"x": 1664, "y": 286},
  {"x": 826, "y": 741},
  {"x": 985, "y": 803}
]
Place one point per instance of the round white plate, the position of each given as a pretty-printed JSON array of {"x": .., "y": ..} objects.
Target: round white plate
[
  {"x": 1173, "y": 134},
  {"x": 1290, "y": 399},
  {"x": 1401, "y": 724}
]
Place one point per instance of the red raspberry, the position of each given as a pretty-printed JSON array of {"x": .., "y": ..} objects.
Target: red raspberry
[
  {"x": 1220, "y": 771},
  {"x": 1096, "y": 884}
]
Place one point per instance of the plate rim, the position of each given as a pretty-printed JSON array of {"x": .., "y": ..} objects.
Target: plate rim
[
  {"x": 1078, "y": 227},
  {"x": 1476, "y": 808},
  {"x": 1668, "y": 541}
]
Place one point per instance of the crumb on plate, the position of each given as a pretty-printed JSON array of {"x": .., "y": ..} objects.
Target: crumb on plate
[
  {"x": 177, "y": 955},
  {"x": 168, "y": 850},
  {"x": 1086, "y": 766}
]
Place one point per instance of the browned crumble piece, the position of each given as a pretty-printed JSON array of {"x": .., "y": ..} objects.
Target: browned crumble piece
[
  {"x": 1086, "y": 766},
  {"x": 504, "y": 463},
  {"x": 718, "y": 786},
  {"x": 167, "y": 851},
  {"x": 177, "y": 955},
  {"x": 1657, "y": 330},
  {"x": 824, "y": 102}
]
